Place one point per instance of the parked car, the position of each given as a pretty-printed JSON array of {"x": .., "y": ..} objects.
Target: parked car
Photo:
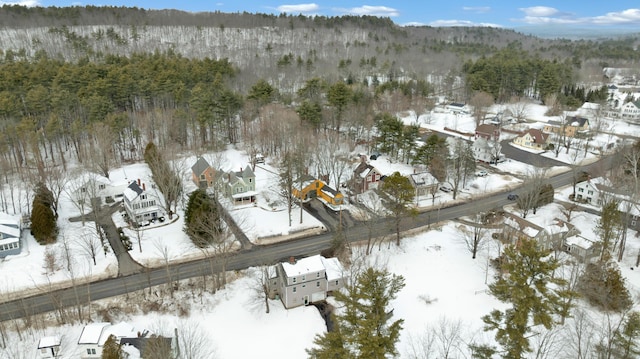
[
  {"x": 446, "y": 189},
  {"x": 512, "y": 197},
  {"x": 482, "y": 173}
]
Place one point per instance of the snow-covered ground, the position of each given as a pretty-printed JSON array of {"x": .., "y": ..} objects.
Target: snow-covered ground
[{"x": 443, "y": 284}]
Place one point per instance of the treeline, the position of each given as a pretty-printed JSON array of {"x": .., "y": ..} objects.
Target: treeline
[
  {"x": 49, "y": 106},
  {"x": 513, "y": 72}
]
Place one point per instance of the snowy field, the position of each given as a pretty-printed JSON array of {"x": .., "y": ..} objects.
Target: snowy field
[{"x": 443, "y": 285}]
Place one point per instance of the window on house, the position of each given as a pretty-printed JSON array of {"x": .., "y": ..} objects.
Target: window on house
[
  {"x": 318, "y": 275},
  {"x": 318, "y": 284},
  {"x": 144, "y": 196},
  {"x": 294, "y": 279},
  {"x": 303, "y": 277},
  {"x": 589, "y": 192},
  {"x": 336, "y": 282},
  {"x": 304, "y": 286},
  {"x": 633, "y": 223},
  {"x": 101, "y": 186},
  {"x": 91, "y": 351},
  {"x": 202, "y": 177},
  {"x": 580, "y": 189},
  {"x": 294, "y": 289}
]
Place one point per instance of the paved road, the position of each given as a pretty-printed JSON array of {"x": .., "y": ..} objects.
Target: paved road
[
  {"x": 517, "y": 154},
  {"x": 257, "y": 255}
]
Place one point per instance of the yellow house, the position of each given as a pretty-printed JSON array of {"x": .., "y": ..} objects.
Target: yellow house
[
  {"x": 573, "y": 126},
  {"x": 309, "y": 187},
  {"x": 533, "y": 138}
]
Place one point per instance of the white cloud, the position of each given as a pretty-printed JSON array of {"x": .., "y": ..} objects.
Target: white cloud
[
  {"x": 298, "y": 8},
  {"x": 27, "y": 3},
  {"x": 382, "y": 11},
  {"x": 444, "y": 23},
  {"x": 540, "y": 15},
  {"x": 539, "y": 11},
  {"x": 629, "y": 16},
  {"x": 478, "y": 9}
]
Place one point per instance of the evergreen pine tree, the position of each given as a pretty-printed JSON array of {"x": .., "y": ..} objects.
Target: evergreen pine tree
[
  {"x": 112, "y": 350},
  {"x": 364, "y": 329},
  {"x": 627, "y": 340},
  {"x": 201, "y": 218},
  {"x": 534, "y": 295},
  {"x": 608, "y": 227},
  {"x": 43, "y": 219}
]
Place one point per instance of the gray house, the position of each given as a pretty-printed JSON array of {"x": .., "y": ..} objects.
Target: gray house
[
  {"x": 307, "y": 280},
  {"x": 239, "y": 186},
  {"x": 10, "y": 230}
]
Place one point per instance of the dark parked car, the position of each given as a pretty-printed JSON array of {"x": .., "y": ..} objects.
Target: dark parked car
[{"x": 512, "y": 197}]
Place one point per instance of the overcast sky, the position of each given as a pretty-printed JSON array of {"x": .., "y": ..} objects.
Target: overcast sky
[{"x": 622, "y": 14}]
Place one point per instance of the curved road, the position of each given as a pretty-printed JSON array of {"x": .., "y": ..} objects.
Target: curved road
[{"x": 256, "y": 255}]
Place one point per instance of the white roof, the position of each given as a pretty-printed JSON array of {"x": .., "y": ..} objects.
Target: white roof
[
  {"x": 120, "y": 330},
  {"x": 91, "y": 333},
  {"x": 245, "y": 194},
  {"x": 9, "y": 219},
  {"x": 530, "y": 231},
  {"x": 9, "y": 231},
  {"x": 333, "y": 267},
  {"x": 130, "y": 194},
  {"x": 579, "y": 241},
  {"x": 48, "y": 342},
  {"x": 303, "y": 266}
]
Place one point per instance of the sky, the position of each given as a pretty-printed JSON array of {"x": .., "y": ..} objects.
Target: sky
[{"x": 621, "y": 14}]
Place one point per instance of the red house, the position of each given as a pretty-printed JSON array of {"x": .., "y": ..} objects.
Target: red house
[{"x": 365, "y": 177}]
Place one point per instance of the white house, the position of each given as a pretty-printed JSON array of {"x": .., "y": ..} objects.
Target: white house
[
  {"x": 49, "y": 347},
  {"x": 487, "y": 151},
  {"x": 630, "y": 111},
  {"x": 141, "y": 204},
  {"x": 10, "y": 231},
  {"x": 307, "y": 280},
  {"x": 94, "y": 335},
  {"x": 91, "y": 186}
]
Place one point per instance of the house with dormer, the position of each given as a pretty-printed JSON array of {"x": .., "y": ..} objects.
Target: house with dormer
[
  {"x": 93, "y": 188},
  {"x": 307, "y": 280},
  {"x": 202, "y": 174},
  {"x": 365, "y": 177},
  {"x": 533, "y": 138},
  {"x": 239, "y": 187},
  {"x": 573, "y": 126},
  {"x": 307, "y": 188},
  {"x": 141, "y": 203},
  {"x": 630, "y": 111}
]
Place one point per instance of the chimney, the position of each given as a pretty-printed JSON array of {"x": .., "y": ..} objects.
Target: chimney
[
  {"x": 138, "y": 182},
  {"x": 292, "y": 260},
  {"x": 144, "y": 187}
]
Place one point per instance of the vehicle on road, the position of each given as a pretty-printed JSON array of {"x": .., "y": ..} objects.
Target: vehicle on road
[
  {"x": 481, "y": 173},
  {"x": 512, "y": 197}
]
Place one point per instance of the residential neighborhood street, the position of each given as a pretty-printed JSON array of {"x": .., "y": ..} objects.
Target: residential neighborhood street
[{"x": 258, "y": 254}]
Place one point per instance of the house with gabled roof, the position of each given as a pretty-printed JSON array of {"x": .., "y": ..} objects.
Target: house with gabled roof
[
  {"x": 487, "y": 151},
  {"x": 239, "y": 187},
  {"x": 10, "y": 234},
  {"x": 95, "y": 335},
  {"x": 141, "y": 203},
  {"x": 573, "y": 126},
  {"x": 90, "y": 187},
  {"x": 488, "y": 131},
  {"x": 549, "y": 235},
  {"x": 202, "y": 174},
  {"x": 597, "y": 191},
  {"x": 365, "y": 177},
  {"x": 49, "y": 347},
  {"x": 533, "y": 138},
  {"x": 630, "y": 111},
  {"x": 307, "y": 187},
  {"x": 307, "y": 280},
  {"x": 423, "y": 183}
]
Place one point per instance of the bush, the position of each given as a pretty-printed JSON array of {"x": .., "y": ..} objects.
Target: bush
[{"x": 603, "y": 286}]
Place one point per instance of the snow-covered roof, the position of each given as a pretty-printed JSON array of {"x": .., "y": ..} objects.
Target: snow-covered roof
[
  {"x": 48, "y": 342},
  {"x": 333, "y": 267},
  {"x": 9, "y": 231},
  {"x": 8, "y": 219},
  {"x": 423, "y": 178},
  {"x": 244, "y": 194},
  {"x": 132, "y": 191},
  {"x": 91, "y": 333},
  {"x": 120, "y": 330},
  {"x": 303, "y": 266},
  {"x": 579, "y": 241}
]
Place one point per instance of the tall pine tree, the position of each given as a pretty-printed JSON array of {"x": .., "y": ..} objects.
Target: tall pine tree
[
  {"x": 535, "y": 296},
  {"x": 364, "y": 328}
]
